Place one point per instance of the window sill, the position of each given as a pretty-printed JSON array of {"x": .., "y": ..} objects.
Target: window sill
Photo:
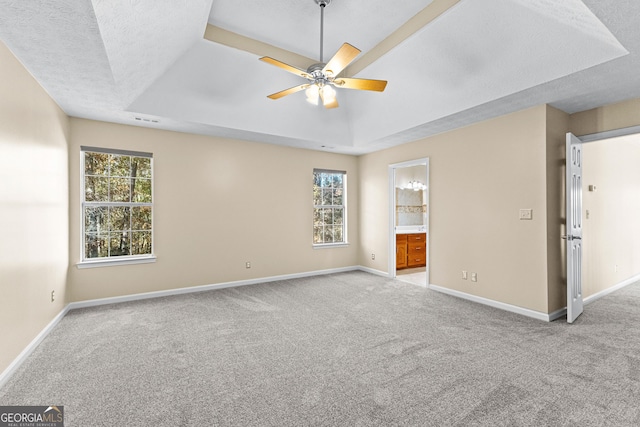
[
  {"x": 113, "y": 262},
  {"x": 330, "y": 245}
]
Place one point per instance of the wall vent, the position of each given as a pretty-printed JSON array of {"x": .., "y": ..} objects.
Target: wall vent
[{"x": 142, "y": 119}]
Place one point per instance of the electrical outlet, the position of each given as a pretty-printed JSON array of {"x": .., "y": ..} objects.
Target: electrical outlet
[
  {"x": 464, "y": 274},
  {"x": 615, "y": 269},
  {"x": 53, "y": 296},
  {"x": 373, "y": 256},
  {"x": 474, "y": 277},
  {"x": 526, "y": 214},
  {"x": 248, "y": 264}
]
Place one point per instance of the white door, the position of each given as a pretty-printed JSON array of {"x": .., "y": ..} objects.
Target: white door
[{"x": 574, "y": 227}]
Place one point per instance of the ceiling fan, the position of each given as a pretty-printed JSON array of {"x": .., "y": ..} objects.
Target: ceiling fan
[{"x": 323, "y": 76}]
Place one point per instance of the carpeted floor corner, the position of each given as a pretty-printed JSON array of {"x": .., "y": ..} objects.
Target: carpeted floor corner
[{"x": 349, "y": 349}]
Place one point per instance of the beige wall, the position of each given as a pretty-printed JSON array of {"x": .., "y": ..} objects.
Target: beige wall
[
  {"x": 33, "y": 207},
  {"x": 480, "y": 176},
  {"x": 557, "y": 128},
  {"x": 609, "y": 117},
  {"x": 611, "y": 231},
  {"x": 218, "y": 204}
]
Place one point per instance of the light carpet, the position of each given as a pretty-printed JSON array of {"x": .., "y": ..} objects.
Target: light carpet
[{"x": 349, "y": 349}]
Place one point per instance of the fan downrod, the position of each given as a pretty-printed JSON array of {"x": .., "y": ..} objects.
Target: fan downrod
[{"x": 322, "y": 4}]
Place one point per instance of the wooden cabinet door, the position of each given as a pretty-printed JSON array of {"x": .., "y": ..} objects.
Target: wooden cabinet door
[{"x": 401, "y": 254}]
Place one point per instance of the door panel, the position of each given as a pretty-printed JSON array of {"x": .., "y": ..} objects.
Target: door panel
[
  {"x": 401, "y": 251},
  {"x": 574, "y": 227}
]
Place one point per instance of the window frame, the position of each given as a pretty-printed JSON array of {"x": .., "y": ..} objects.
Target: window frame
[
  {"x": 345, "y": 234},
  {"x": 113, "y": 260}
]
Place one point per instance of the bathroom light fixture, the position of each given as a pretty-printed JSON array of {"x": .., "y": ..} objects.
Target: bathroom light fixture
[{"x": 416, "y": 186}]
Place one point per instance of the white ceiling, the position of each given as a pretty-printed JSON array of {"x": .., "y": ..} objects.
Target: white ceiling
[
  {"x": 294, "y": 25},
  {"x": 147, "y": 63}
]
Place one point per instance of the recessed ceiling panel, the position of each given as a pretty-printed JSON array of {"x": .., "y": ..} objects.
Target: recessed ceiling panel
[
  {"x": 217, "y": 85},
  {"x": 295, "y": 24},
  {"x": 479, "y": 51}
]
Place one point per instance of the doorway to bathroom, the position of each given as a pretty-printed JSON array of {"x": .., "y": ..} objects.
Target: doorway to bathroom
[{"x": 409, "y": 221}]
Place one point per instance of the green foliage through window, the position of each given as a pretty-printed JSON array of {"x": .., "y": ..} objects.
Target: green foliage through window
[
  {"x": 329, "y": 204},
  {"x": 117, "y": 205}
]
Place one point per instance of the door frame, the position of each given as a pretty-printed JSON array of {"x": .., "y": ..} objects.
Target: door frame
[
  {"x": 592, "y": 137},
  {"x": 392, "y": 213}
]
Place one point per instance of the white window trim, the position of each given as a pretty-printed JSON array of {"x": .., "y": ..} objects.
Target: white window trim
[
  {"x": 345, "y": 230},
  {"x": 107, "y": 262},
  {"x": 330, "y": 245},
  {"x": 120, "y": 260}
]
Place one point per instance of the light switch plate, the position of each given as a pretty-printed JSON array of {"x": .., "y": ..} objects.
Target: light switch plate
[{"x": 526, "y": 214}]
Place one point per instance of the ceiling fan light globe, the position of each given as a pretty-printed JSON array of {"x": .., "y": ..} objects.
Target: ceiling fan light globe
[
  {"x": 328, "y": 93},
  {"x": 312, "y": 92}
]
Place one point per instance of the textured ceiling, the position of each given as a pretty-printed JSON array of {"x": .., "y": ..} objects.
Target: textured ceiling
[
  {"x": 147, "y": 63},
  {"x": 294, "y": 25}
]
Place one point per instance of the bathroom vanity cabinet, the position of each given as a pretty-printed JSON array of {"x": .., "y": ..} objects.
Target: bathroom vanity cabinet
[{"x": 411, "y": 250}]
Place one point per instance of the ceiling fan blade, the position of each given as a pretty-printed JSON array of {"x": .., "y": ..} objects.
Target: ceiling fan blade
[
  {"x": 361, "y": 84},
  {"x": 289, "y": 91},
  {"x": 341, "y": 59},
  {"x": 286, "y": 67}
]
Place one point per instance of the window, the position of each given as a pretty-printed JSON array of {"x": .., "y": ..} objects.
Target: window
[
  {"x": 117, "y": 208},
  {"x": 329, "y": 202}
]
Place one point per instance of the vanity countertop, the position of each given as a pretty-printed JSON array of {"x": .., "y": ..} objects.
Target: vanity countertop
[{"x": 410, "y": 229}]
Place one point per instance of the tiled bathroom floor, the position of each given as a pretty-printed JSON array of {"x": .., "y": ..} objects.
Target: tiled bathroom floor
[{"x": 417, "y": 276}]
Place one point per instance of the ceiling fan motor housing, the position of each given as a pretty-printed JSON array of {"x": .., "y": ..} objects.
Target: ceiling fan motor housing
[
  {"x": 319, "y": 77},
  {"x": 316, "y": 69}
]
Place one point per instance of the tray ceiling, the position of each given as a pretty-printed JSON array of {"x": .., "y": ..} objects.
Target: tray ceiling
[{"x": 192, "y": 66}]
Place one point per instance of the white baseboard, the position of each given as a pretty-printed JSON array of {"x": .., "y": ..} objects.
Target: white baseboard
[
  {"x": 203, "y": 288},
  {"x": 492, "y": 303},
  {"x": 557, "y": 314},
  {"x": 532, "y": 313},
  {"x": 374, "y": 271},
  {"x": 598, "y": 295},
  {"x": 10, "y": 370}
]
